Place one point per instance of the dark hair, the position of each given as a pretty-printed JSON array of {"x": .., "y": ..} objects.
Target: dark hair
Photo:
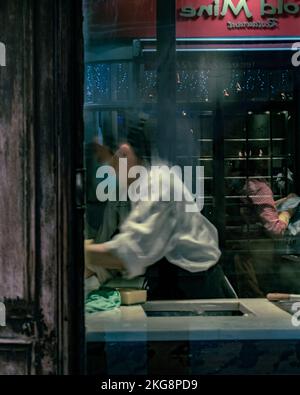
[
  {"x": 138, "y": 133},
  {"x": 139, "y": 136}
]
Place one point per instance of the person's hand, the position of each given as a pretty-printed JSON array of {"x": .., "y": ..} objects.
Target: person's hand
[
  {"x": 285, "y": 217},
  {"x": 87, "y": 272}
]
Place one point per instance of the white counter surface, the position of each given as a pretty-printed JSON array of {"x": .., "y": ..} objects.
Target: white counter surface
[{"x": 130, "y": 323}]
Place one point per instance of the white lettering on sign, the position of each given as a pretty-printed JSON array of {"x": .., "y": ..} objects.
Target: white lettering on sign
[
  {"x": 2, "y": 314},
  {"x": 2, "y": 55},
  {"x": 296, "y": 56},
  {"x": 271, "y": 23},
  {"x": 219, "y": 8},
  {"x": 296, "y": 317}
]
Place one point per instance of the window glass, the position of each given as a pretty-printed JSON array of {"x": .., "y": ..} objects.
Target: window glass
[
  {"x": 161, "y": 93},
  {"x": 231, "y": 113}
]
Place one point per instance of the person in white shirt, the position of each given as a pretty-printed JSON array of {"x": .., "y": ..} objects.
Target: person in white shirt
[{"x": 176, "y": 250}]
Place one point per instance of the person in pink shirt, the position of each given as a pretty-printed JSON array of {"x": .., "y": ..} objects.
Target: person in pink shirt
[
  {"x": 260, "y": 201},
  {"x": 256, "y": 268}
]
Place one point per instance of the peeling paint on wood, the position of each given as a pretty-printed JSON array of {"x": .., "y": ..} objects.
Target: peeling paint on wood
[{"x": 41, "y": 257}]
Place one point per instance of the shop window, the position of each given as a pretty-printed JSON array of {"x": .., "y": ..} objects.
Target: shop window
[
  {"x": 107, "y": 83},
  {"x": 252, "y": 144},
  {"x": 232, "y": 111},
  {"x": 148, "y": 83}
]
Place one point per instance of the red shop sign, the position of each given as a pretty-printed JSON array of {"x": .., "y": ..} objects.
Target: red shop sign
[{"x": 199, "y": 18}]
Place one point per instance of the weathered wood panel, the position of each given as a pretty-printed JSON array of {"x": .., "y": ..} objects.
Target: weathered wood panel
[
  {"x": 46, "y": 134},
  {"x": 41, "y": 232},
  {"x": 15, "y": 358},
  {"x": 15, "y": 156},
  {"x": 17, "y": 196}
]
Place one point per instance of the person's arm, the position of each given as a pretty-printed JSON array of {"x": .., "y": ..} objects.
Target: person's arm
[
  {"x": 97, "y": 260},
  {"x": 282, "y": 200},
  {"x": 97, "y": 255},
  {"x": 279, "y": 201},
  {"x": 88, "y": 273},
  {"x": 144, "y": 238},
  {"x": 142, "y": 241},
  {"x": 261, "y": 196}
]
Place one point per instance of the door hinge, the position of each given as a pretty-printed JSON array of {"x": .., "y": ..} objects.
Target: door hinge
[
  {"x": 80, "y": 189},
  {"x": 20, "y": 316}
]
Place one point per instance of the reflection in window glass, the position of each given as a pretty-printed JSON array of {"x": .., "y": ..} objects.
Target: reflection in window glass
[
  {"x": 224, "y": 121},
  {"x": 224, "y": 107}
]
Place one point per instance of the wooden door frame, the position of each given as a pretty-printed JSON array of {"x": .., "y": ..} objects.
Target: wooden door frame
[{"x": 58, "y": 132}]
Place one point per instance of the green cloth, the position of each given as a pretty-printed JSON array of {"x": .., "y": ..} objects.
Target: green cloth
[{"x": 102, "y": 299}]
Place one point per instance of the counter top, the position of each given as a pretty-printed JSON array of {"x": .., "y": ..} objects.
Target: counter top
[{"x": 130, "y": 323}]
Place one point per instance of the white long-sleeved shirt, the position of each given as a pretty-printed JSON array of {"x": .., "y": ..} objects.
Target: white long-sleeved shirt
[{"x": 155, "y": 229}]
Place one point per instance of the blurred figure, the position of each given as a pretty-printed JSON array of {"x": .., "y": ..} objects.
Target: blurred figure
[
  {"x": 257, "y": 269},
  {"x": 177, "y": 251},
  {"x": 103, "y": 219}
]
